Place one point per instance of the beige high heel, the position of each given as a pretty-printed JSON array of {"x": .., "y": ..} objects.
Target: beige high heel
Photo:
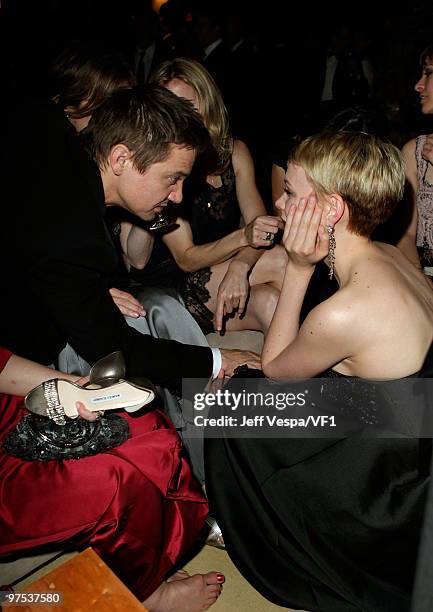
[
  {"x": 106, "y": 390},
  {"x": 56, "y": 398}
]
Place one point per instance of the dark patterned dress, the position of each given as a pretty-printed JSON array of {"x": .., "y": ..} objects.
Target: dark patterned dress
[{"x": 213, "y": 212}]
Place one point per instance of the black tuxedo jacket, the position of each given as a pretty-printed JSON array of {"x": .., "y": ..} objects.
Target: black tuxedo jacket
[{"x": 56, "y": 257}]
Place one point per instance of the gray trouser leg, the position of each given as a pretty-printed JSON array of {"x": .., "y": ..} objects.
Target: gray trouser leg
[
  {"x": 69, "y": 361},
  {"x": 166, "y": 318}
]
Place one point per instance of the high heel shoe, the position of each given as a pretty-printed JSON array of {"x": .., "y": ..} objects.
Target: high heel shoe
[
  {"x": 107, "y": 370},
  {"x": 106, "y": 390},
  {"x": 215, "y": 536},
  {"x": 110, "y": 370},
  {"x": 56, "y": 398}
]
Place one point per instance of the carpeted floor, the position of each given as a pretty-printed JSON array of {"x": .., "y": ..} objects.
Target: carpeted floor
[{"x": 238, "y": 595}]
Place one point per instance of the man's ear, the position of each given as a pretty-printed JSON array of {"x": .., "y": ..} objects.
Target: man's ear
[
  {"x": 334, "y": 209},
  {"x": 119, "y": 158}
]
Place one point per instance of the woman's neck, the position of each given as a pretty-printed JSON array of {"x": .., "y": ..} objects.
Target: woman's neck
[{"x": 348, "y": 250}]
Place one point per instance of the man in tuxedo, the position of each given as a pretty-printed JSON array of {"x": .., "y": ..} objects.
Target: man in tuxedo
[
  {"x": 146, "y": 34},
  {"x": 56, "y": 255}
]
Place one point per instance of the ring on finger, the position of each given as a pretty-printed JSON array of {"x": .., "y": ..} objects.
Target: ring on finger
[{"x": 269, "y": 236}]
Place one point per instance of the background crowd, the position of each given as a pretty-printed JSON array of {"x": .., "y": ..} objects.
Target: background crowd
[{"x": 270, "y": 66}]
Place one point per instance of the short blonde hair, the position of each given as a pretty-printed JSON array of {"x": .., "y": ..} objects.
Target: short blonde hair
[
  {"x": 365, "y": 171},
  {"x": 210, "y": 103}
]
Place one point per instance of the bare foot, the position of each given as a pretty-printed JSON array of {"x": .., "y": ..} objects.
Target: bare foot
[
  {"x": 179, "y": 575},
  {"x": 193, "y": 594}
]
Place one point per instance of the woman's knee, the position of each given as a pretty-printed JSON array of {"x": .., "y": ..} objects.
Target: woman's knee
[{"x": 264, "y": 299}]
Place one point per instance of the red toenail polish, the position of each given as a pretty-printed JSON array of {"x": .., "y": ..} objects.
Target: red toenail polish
[{"x": 220, "y": 577}]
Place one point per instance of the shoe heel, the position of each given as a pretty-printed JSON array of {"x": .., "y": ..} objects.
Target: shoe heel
[{"x": 108, "y": 370}]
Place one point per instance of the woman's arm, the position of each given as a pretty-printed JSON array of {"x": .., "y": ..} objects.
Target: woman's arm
[
  {"x": 137, "y": 245},
  {"x": 407, "y": 243},
  {"x": 190, "y": 257},
  {"x": 250, "y": 201},
  {"x": 321, "y": 342},
  {"x": 288, "y": 351},
  {"x": 19, "y": 376}
]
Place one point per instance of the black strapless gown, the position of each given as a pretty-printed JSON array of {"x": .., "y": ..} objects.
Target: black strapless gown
[{"x": 329, "y": 525}]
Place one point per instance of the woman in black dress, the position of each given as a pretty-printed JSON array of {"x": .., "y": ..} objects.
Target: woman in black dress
[{"x": 326, "y": 524}]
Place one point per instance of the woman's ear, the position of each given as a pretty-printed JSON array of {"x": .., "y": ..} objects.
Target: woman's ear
[
  {"x": 334, "y": 209},
  {"x": 119, "y": 158}
]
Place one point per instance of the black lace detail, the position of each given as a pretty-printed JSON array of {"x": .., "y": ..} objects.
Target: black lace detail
[
  {"x": 213, "y": 212},
  {"x": 216, "y": 200},
  {"x": 39, "y": 438},
  {"x": 196, "y": 295}
]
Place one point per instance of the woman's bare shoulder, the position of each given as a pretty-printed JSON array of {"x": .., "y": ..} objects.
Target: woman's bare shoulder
[
  {"x": 241, "y": 154},
  {"x": 336, "y": 315},
  {"x": 409, "y": 147}
]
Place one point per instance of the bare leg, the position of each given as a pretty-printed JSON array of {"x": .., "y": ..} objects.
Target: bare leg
[
  {"x": 270, "y": 268},
  {"x": 259, "y": 312},
  {"x": 265, "y": 280},
  {"x": 191, "y": 594}
]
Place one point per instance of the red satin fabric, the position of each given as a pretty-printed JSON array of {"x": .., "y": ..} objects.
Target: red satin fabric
[{"x": 137, "y": 505}]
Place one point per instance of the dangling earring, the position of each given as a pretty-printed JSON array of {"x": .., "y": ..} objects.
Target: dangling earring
[{"x": 331, "y": 250}]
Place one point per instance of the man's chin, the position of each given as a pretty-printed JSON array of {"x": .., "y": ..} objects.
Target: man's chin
[{"x": 147, "y": 216}]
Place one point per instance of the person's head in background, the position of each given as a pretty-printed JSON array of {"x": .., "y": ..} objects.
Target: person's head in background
[
  {"x": 207, "y": 21},
  {"x": 424, "y": 87},
  {"x": 190, "y": 80},
  {"x": 83, "y": 76},
  {"x": 367, "y": 119}
]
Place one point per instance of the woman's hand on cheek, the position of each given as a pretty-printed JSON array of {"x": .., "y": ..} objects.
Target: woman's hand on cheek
[{"x": 305, "y": 237}]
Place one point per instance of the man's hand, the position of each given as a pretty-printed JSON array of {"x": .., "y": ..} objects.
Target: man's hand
[
  {"x": 232, "y": 358},
  {"x": 127, "y": 303}
]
